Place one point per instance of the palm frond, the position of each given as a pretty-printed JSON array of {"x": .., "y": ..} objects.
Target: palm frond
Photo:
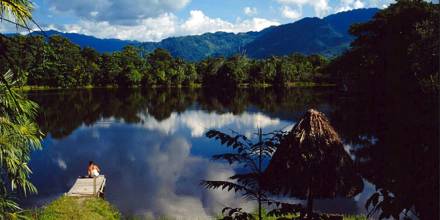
[
  {"x": 225, "y": 185},
  {"x": 20, "y": 10}
]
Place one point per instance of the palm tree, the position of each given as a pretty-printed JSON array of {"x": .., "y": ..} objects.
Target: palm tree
[
  {"x": 17, "y": 12},
  {"x": 311, "y": 162},
  {"x": 250, "y": 155},
  {"x": 19, "y": 134}
]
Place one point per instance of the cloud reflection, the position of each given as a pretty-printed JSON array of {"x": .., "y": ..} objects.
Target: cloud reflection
[
  {"x": 151, "y": 167},
  {"x": 149, "y": 173},
  {"x": 199, "y": 122}
]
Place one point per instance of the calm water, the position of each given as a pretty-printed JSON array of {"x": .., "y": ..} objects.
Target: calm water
[{"x": 151, "y": 144}]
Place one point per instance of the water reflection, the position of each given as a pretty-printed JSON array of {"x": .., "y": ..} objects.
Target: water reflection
[
  {"x": 150, "y": 143},
  {"x": 199, "y": 122}
]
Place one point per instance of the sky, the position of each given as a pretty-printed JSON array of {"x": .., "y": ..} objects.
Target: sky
[{"x": 154, "y": 20}]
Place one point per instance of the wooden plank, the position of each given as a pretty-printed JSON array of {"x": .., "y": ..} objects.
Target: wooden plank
[{"x": 86, "y": 186}]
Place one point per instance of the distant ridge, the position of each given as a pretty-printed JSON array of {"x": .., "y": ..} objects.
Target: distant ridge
[
  {"x": 327, "y": 36},
  {"x": 101, "y": 45}
]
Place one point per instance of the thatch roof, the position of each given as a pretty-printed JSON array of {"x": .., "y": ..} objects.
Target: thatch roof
[{"x": 312, "y": 152}]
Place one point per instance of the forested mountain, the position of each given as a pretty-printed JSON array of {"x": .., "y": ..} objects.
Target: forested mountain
[
  {"x": 198, "y": 47},
  {"x": 101, "y": 45},
  {"x": 327, "y": 36}
]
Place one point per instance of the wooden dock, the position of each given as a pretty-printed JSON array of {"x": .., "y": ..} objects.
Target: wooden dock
[{"x": 88, "y": 187}]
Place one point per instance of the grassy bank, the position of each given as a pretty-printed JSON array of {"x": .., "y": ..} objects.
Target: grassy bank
[{"x": 76, "y": 208}]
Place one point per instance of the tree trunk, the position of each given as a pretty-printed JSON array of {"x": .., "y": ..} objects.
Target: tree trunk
[
  {"x": 260, "y": 170},
  {"x": 310, "y": 201},
  {"x": 259, "y": 208}
]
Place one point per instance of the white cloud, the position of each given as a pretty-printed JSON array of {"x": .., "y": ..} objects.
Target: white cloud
[
  {"x": 198, "y": 22},
  {"x": 321, "y": 7},
  {"x": 287, "y": 12},
  {"x": 116, "y": 11},
  {"x": 165, "y": 25},
  {"x": 346, "y": 5},
  {"x": 148, "y": 29},
  {"x": 249, "y": 11},
  {"x": 358, "y": 4}
]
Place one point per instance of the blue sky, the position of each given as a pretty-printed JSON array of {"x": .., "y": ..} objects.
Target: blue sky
[{"x": 153, "y": 20}]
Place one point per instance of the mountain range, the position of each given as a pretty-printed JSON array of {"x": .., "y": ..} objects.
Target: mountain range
[{"x": 327, "y": 36}]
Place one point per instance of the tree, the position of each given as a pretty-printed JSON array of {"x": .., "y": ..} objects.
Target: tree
[
  {"x": 67, "y": 63},
  {"x": 393, "y": 64},
  {"x": 284, "y": 72},
  {"x": 161, "y": 64},
  {"x": 131, "y": 64},
  {"x": 91, "y": 65},
  {"x": 256, "y": 73},
  {"x": 250, "y": 155},
  {"x": 190, "y": 74},
  {"x": 209, "y": 68},
  {"x": 110, "y": 69},
  {"x": 18, "y": 133},
  {"x": 233, "y": 72}
]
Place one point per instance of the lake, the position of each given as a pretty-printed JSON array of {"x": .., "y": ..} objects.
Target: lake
[{"x": 151, "y": 144}]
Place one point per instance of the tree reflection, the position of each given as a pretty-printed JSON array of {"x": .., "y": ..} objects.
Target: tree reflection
[
  {"x": 397, "y": 150},
  {"x": 63, "y": 111}
]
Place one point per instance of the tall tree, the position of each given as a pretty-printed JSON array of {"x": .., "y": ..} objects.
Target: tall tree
[
  {"x": 18, "y": 133},
  {"x": 393, "y": 65}
]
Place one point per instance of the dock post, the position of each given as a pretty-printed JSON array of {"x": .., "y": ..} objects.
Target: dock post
[{"x": 94, "y": 185}]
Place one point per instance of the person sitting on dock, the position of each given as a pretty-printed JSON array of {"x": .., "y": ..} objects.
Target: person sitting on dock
[{"x": 93, "y": 170}]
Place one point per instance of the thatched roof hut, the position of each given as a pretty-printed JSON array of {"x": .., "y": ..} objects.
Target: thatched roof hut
[{"x": 311, "y": 162}]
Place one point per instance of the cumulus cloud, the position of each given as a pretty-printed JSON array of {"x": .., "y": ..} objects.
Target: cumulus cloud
[
  {"x": 148, "y": 29},
  {"x": 249, "y": 11},
  {"x": 116, "y": 11},
  {"x": 165, "y": 25},
  {"x": 321, "y": 7},
  {"x": 346, "y": 5},
  {"x": 288, "y": 12}
]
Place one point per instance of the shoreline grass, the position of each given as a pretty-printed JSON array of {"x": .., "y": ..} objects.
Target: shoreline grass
[{"x": 75, "y": 208}]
